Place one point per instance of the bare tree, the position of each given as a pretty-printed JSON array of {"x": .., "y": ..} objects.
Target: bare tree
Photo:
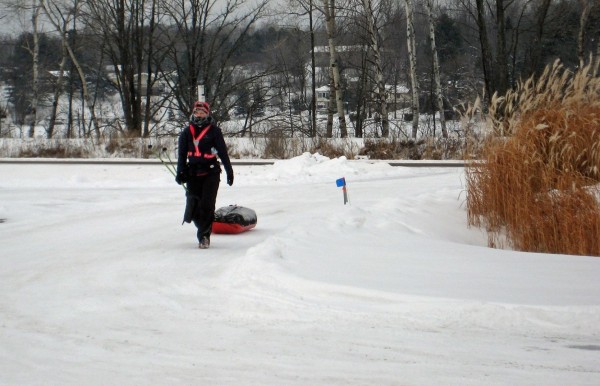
[
  {"x": 376, "y": 65},
  {"x": 486, "y": 54},
  {"x": 412, "y": 60},
  {"x": 205, "y": 41},
  {"x": 361, "y": 96},
  {"x": 35, "y": 51},
  {"x": 125, "y": 27},
  {"x": 597, "y": 65},
  {"x": 313, "y": 84},
  {"x": 586, "y": 8},
  {"x": 436, "y": 68},
  {"x": 33, "y": 48},
  {"x": 501, "y": 64},
  {"x": 152, "y": 61},
  {"x": 307, "y": 7},
  {"x": 330, "y": 106},
  {"x": 289, "y": 55},
  {"x": 329, "y": 12},
  {"x": 491, "y": 16},
  {"x": 58, "y": 88},
  {"x": 60, "y": 19},
  {"x": 536, "y": 46}
]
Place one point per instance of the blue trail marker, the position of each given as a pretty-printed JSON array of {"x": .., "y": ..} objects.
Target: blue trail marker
[{"x": 341, "y": 182}]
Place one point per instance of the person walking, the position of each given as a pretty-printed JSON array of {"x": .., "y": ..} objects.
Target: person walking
[{"x": 200, "y": 143}]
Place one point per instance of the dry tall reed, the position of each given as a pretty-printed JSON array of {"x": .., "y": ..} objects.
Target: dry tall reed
[{"x": 537, "y": 185}]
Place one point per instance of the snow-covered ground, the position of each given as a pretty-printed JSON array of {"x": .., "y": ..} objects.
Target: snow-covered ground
[{"x": 102, "y": 285}]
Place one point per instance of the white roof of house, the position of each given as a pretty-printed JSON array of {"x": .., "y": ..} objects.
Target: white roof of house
[
  {"x": 342, "y": 48},
  {"x": 400, "y": 89},
  {"x": 57, "y": 73}
]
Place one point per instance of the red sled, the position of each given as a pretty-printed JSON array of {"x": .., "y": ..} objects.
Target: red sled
[
  {"x": 233, "y": 219},
  {"x": 230, "y": 229}
]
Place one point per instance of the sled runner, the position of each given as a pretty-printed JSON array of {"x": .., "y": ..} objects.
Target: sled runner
[{"x": 233, "y": 219}]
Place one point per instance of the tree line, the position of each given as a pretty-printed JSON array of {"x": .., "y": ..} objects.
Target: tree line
[{"x": 151, "y": 57}]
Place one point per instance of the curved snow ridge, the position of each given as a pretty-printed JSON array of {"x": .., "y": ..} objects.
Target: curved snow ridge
[
  {"x": 253, "y": 267},
  {"x": 265, "y": 283},
  {"x": 350, "y": 219},
  {"x": 261, "y": 285},
  {"x": 258, "y": 289},
  {"x": 429, "y": 313}
]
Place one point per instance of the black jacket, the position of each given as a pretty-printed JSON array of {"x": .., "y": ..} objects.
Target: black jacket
[{"x": 203, "y": 161}]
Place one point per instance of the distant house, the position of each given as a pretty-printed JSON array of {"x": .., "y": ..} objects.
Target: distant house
[
  {"x": 159, "y": 86},
  {"x": 398, "y": 97},
  {"x": 323, "y": 93}
]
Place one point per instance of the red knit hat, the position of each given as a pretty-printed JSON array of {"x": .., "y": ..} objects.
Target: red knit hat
[{"x": 202, "y": 105}]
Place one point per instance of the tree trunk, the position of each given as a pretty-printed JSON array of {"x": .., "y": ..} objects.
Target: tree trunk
[
  {"x": 597, "y": 65},
  {"x": 149, "y": 69},
  {"x": 436, "y": 69},
  {"x": 486, "y": 54},
  {"x": 514, "y": 49},
  {"x": 70, "y": 102},
  {"x": 412, "y": 60},
  {"x": 313, "y": 73},
  {"x": 330, "y": 108},
  {"x": 84, "y": 90},
  {"x": 361, "y": 103},
  {"x": 35, "y": 53},
  {"x": 501, "y": 69},
  {"x": 328, "y": 9},
  {"x": 377, "y": 68},
  {"x": 58, "y": 88},
  {"x": 583, "y": 21},
  {"x": 536, "y": 46}
]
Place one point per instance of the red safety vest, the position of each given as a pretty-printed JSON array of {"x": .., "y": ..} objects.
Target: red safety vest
[{"x": 196, "y": 141}]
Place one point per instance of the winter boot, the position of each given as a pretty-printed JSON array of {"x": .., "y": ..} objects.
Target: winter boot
[{"x": 204, "y": 243}]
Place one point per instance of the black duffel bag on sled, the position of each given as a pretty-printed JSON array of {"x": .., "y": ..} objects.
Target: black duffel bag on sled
[{"x": 234, "y": 219}]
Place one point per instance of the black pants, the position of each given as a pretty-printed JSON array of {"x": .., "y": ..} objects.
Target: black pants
[{"x": 205, "y": 188}]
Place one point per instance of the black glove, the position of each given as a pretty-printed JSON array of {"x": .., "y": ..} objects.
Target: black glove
[
  {"x": 230, "y": 178},
  {"x": 181, "y": 178}
]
